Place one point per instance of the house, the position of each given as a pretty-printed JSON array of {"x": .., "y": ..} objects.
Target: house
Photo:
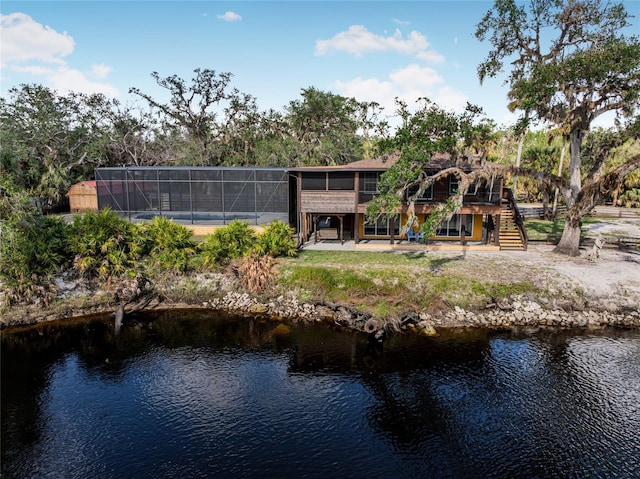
[
  {"x": 331, "y": 203},
  {"x": 83, "y": 197},
  {"x": 322, "y": 203}
]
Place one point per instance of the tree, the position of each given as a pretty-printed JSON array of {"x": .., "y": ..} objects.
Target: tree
[
  {"x": 50, "y": 141},
  {"x": 462, "y": 139},
  {"x": 200, "y": 114},
  {"x": 326, "y": 126},
  {"x": 542, "y": 158},
  {"x": 570, "y": 63}
]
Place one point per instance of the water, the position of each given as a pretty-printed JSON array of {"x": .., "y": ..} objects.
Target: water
[{"x": 187, "y": 395}]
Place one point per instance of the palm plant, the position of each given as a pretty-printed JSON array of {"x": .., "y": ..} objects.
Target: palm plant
[
  {"x": 169, "y": 245},
  {"x": 229, "y": 242},
  {"x": 277, "y": 239},
  {"x": 104, "y": 244}
]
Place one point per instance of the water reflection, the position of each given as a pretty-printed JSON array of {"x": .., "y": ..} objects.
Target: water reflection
[{"x": 198, "y": 396}]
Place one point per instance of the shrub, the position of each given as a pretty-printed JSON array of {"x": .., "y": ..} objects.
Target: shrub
[
  {"x": 32, "y": 250},
  {"x": 169, "y": 245},
  {"x": 254, "y": 272},
  {"x": 104, "y": 244},
  {"x": 630, "y": 198},
  {"x": 225, "y": 244},
  {"x": 277, "y": 240}
]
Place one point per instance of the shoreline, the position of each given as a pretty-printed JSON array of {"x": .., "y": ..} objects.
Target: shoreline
[
  {"x": 603, "y": 293},
  {"x": 511, "y": 315}
]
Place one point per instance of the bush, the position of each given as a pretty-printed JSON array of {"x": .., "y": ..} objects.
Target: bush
[
  {"x": 277, "y": 240},
  {"x": 254, "y": 272},
  {"x": 630, "y": 198},
  {"x": 225, "y": 244},
  {"x": 104, "y": 244},
  {"x": 32, "y": 250},
  {"x": 169, "y": 245}
]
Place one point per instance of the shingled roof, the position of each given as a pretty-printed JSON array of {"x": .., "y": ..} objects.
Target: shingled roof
[{"x": 438, "y": 162}]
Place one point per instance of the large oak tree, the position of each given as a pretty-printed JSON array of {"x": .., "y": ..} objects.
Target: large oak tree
[{"x": 570, "y": 62}]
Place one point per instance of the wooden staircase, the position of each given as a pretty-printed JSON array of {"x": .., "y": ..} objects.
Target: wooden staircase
[{"x": 510, "y": 236}]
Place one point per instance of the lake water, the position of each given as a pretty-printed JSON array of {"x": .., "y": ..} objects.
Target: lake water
[{"x": 190, "y": 395}]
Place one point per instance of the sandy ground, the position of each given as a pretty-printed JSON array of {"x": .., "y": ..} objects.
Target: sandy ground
[
  {"x": 615, "y": 272},
  {"x": 614, "y": 275}
]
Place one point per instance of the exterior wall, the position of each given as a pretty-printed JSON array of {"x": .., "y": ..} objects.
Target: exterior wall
[{"x": 475, "y": 235}]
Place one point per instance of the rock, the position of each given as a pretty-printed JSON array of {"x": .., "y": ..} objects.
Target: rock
[
  {"x": 257, "y": 309},
  {"x": 426, "y": 329}
]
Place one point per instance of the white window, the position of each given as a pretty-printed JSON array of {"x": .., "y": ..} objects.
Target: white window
[
  {"x": 381, "y": 228},
  {"x": 452, "y": 227},
  {"x": 427, "y": 195},
  {"x": 370, "y": 181},
  {"x": 453, "y": 184}
]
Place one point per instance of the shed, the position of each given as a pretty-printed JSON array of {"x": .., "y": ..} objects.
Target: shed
[{"x": 83, "y": 196}]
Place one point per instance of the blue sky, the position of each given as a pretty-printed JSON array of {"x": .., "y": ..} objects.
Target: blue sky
[{"x": 371, "y": 50}]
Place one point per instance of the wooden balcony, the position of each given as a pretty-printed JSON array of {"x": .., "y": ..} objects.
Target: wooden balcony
[{"x": 334, "y": 201}]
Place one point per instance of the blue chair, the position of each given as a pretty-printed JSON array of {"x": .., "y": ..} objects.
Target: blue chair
[{"x": 412, "y": 235}]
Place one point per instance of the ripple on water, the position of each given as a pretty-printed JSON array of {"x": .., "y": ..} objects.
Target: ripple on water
[{"x": 504, "y": 406}]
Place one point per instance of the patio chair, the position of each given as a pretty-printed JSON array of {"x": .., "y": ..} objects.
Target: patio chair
[{"x": 412, "y": 235}]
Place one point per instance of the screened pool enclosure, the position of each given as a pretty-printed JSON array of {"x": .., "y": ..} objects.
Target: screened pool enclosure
[{"x": 196, "y": 195}]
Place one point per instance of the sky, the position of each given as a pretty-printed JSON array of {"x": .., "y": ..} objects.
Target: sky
[{"x": 369, "y": 50}]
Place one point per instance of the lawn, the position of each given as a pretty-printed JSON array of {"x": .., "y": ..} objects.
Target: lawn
[{"x": 386, "y": 283}]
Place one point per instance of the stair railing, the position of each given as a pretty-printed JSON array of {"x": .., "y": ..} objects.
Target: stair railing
[{"x": 508, "y": 195}]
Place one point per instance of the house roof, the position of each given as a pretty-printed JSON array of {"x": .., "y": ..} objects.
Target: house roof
[
  {"x": 380, "y": 163},
  {"x": 87, "y": 183},
  {"x": 438, "y": 162}
]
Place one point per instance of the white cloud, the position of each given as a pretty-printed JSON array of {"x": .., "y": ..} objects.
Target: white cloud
[
  {"x": 357, "y": 40},
  {"x": 415, "y": 77},
  {"x": 230, "y": 17},
  {"x": 400, "y": 22},
  {"x": 450, "y": 99},
  {"x": 32, "y": 49},
  {"x": 24, "y": 39},
  {"x": 100, "y": 71},
  {"x": 408, "y": 84},
  {"x": 67, "y": 80}
]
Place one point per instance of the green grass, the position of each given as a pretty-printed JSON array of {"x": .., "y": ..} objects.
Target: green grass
[
  {"x": 385, "y": 284},
  {"x": 540, "y": 229}
]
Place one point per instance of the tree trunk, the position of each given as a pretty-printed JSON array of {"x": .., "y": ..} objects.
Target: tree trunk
[
  {"x": 545, "y": 204},
  {"x": 554, "y": 211},
  {"x": 570, "y": 241},
  {"x": 575, "y": 179}
]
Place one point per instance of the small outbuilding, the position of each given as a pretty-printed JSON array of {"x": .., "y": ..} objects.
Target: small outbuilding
[{"x": 83, "y": 196}]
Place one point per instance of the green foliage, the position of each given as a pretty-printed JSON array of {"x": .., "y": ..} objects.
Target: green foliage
[
  {"x": 227, "y": 243},
  {"x": 32, "y": 250},
  {"x": 51, "y": 140},
  {"x": 428, "y": 131},
  {"x": 104, "y": 244},
  {"x": 630, "y": 198},
  {"x": 438, "y": 215},
  {"x": 325, "y": 126},
  {"x": 169, "y": 245},
  {"x": 277, "y": 239}
]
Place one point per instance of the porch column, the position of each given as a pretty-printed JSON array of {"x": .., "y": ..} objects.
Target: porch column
[
  {"x": 463, "y": 229},
  {"x": 356, "y": 228},
  {"x": 315, "y": 227},
  {"x": 341, "y": 218},
  {"x": 392, "y": 227},
  {"x": 496, "y": 232}
]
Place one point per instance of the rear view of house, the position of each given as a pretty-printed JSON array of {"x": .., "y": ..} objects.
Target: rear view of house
[{"x": 332, "y": 201}]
